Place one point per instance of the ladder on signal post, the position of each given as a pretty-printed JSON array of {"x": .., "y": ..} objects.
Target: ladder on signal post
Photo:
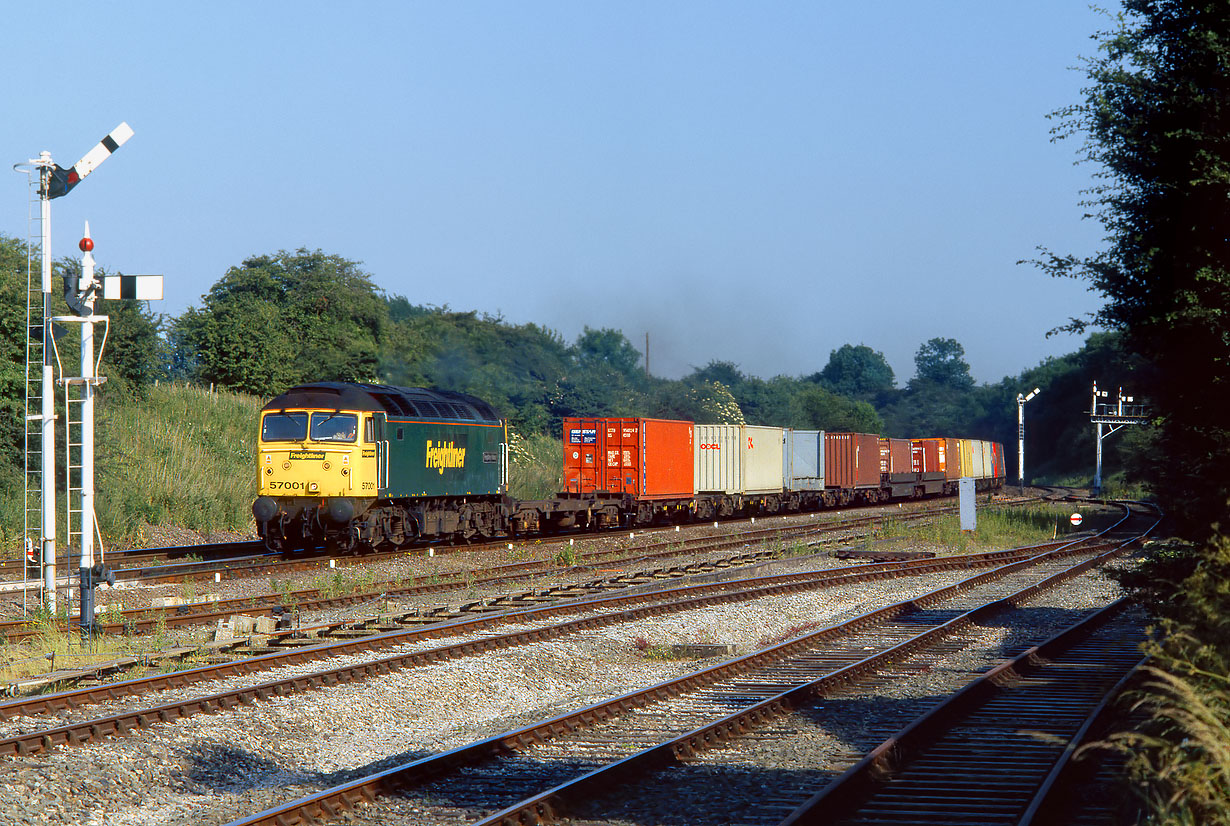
[
  {"x": 77, "y": 423},
  {"x": 36, "y": 313}
]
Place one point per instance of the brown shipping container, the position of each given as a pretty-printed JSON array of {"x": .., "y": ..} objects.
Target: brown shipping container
[
  {"x": 895, "y": 456},
  {"x": 647, "y": 458},
  {"x": 851, "y": 460}
]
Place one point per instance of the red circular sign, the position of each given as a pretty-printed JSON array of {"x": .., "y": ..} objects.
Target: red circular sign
[{"x": 1075, "y": 518}]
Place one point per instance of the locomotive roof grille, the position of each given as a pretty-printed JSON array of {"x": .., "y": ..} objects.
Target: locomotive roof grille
[{"x": 417, "y": 402}]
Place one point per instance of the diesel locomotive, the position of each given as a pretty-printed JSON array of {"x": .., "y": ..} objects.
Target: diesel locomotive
[
  {"x": 364, "y": 464},
  {"x": 354, "y": 466}
]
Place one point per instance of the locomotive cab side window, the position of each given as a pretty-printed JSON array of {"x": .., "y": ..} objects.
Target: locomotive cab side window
[
  {"x": 369, "y": 429},
  {"x": 334, "y": 427},
  {"x": 284, "y": 427}
]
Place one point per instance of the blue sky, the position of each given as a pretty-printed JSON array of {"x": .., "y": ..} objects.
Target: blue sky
[{"x": 752, "y": 182}]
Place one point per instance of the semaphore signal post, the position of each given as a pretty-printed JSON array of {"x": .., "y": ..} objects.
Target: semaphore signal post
[
  {"x": 1110, "y": 417},
  {"x": 42, "y": 357}
]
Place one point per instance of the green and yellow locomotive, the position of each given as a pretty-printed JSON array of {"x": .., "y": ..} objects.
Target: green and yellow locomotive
[{"x": 357, "y": 465}]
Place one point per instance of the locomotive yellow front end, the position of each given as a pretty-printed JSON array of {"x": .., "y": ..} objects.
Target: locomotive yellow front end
[{"x": 316, "y": 472}]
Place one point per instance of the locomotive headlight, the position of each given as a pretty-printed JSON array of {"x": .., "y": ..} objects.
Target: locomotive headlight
[
  {"x": 325, "y": 465},
  {"x": 286, "y": 466},
  {"x": 268, "y": 471},
  {"x": 345, "y": 471},
  {"x": 313, "y": 486}
]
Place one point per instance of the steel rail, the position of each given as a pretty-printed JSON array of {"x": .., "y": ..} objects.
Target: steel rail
[
  {"x": 552, "y": 805},
  {"x": 843, "y": 797},
  {"x": 754, "y": 585},
  {"x": 139, "y": 620},
  {"x": 100, "y": 728},
  {"x": 145, "y": 619},
  {"x": 333, "y": 802}
]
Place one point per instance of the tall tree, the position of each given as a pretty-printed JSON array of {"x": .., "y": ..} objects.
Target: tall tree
[
  {"x": 1156, "y": 116},
  {"x": 857, "y": 372},
  {"x": 941, "y": 361},
  {"x": 277, "y": 320},
  {"x": 12, "y": 347},
  {"x": 939, "y": 400}
]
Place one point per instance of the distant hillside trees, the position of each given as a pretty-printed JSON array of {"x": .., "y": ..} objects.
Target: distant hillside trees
[
  {"x": 939, "y": 400},
  {"x": 288, "y": 318}
]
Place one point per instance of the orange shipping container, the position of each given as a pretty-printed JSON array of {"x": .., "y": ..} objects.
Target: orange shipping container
[{"x": 646, "y": 458}]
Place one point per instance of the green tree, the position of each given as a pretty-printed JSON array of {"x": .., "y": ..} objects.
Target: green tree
[
  {"x": 608, "y": 349},
  {"x": 12, "y": 348},
  {"x": 279, "y": 320},
  {"x": 818, "y": 409},
  {"x": 939, "y": 399},
  {"x": 857, "y": 372},
  {"x": 941, "y": 362},
  {"x": 1155, "y": 118}
]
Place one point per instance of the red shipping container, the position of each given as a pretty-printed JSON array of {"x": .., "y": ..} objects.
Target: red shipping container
[
  {"x": 851, "y": 460},
  {"x": 646, "y": 458},
  {"x": 895, "y": 456},
  {"x": 947, "y": 454},
  {"x": 925, "y": 456}
]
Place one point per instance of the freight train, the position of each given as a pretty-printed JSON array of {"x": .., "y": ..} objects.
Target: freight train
[{"x": 355, "y": 466}]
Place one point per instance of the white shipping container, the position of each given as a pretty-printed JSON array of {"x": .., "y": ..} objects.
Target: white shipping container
[
  {"x": 719, "y": 461},
  {"x": 763, "y": 448},
  {"x": 988, "y": 462},
  {"x": 803, "y": 460},
  {"x": 976, "y": 469}
]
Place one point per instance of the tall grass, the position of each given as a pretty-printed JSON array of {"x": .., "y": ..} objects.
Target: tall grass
[
  {"x": 181, "y": 456},
  {"x": 996, "y": 527},
  {"x": 535, "y": 467},
  {"x": 1181, "y": 756}
]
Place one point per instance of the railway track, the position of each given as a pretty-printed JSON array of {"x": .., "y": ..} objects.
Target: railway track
[
  {"x": 593, "y": 613},
  {"x": 999, "y": 751},
  {"x": 941, "y": 623},
  {"x": 284, "y": 604},
  {"x": 303, "y": 649},
  {"x": 206, "y": 562}
]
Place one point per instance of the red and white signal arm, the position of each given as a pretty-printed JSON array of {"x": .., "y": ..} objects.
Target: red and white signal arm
[
  {"x": 1075, "y": 519},
  {"x": 132, "y": 287}
]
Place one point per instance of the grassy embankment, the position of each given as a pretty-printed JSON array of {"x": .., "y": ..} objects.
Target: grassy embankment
[
  {"x": 997, "y": 527},
  {"x": 180, "y": 456}
]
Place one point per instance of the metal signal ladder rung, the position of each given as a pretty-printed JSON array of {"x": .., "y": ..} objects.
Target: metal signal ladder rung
[
  {"x": 72, "y": 451},
  {"x": 36, "y": 312}
]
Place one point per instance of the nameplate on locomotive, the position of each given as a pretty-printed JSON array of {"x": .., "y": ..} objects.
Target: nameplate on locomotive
[{"x": 307, "y": 454}]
